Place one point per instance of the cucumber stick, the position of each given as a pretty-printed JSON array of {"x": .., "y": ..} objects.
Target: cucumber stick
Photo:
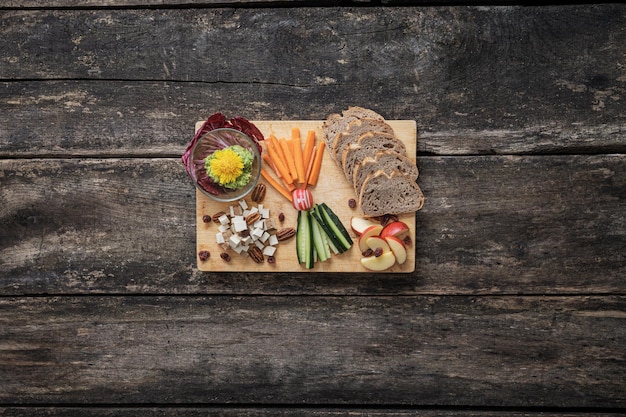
[
  {"x": 320, "y": 234},
  {"x": 336, "y": 226},
  {"x": 321, "y": 248},
  {"x": 304, "y": 239}
]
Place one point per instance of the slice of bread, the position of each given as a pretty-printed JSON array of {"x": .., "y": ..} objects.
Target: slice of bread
[
  {"x": 382, "y": 193},
  {"x": 387, "y": 161},
  {"x": 337, "y": 123},
  {"x": 367, "y": 145},
  {"x": 354, "y": 130}
]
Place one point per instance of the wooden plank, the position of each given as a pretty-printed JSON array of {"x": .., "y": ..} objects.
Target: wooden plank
[
  {"x": 411, "y": 351},
  {"x": 541, "y": 94},
  {"x": 91, "y": 118},
  {"x": 333, "y": 189},
  {"x": 253, "y": 411},
  {"x": 492, "y": 225}
]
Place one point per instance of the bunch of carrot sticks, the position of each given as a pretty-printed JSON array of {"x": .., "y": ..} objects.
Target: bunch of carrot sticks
[{"x": 294, "y": 164}]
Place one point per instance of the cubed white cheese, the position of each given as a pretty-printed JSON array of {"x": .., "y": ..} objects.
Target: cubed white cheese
[
  {"x": 265, "y": 213},
  {"x": 269, "y": 250},
  {"x": 264, "y": 237},
  {"x": 224, "y": 227},
  {"x": 246, "y": 213},
  {"x": 231, "y": 209},
  {"x": 254, "y": 210},
  {"x": 240, "y": 226},
  {"x": 224, "y": 219},
  {"x": 257, "y": 233},
  {"x": 219, "y": 238},
  {"x": 243, "y": 204},
  {"x": 273, "y": 240},
  {"x": 259, "y": 244},
  {"x": 235, "y": 240}
]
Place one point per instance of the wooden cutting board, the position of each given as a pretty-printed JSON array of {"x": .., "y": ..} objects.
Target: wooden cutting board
[{"x": 332, "y": 189}]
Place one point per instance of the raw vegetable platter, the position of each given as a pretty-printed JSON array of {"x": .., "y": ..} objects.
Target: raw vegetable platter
[{"x": 332, "y": 188}]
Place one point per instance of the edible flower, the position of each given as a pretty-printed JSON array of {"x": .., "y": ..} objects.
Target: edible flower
[{"x": 230, "y": 167}]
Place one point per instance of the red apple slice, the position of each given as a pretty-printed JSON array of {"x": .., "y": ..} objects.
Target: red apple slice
[
  {"x": 376, "y": 242},
  {"x": 398, "y": 248},
  {"x": 379, "y": 263},
  {"x": 359, "y": 224},
  {"x": 398, "y": 229},
  {"x": 367, "y": 233}
]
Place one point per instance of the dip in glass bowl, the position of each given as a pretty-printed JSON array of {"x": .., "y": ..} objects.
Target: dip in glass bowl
[{"x": 225, "y": 164}]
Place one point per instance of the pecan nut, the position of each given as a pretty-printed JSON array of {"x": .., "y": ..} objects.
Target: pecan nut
[
  {"x": 286, "y": 233},
  {"x": 256, "y": 254},
  {"x": 253, "y": 217},
  {"x": 258, "y": 193}
]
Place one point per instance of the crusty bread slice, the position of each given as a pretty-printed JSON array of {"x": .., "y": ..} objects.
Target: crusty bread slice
[
  {"x": 368, "y": 144},
  {"x": 352, "y": 133},
  {"x": 389, "y": 194},
  {"x": 337, "y": 123},
  {"x": 387, "y": 161}
]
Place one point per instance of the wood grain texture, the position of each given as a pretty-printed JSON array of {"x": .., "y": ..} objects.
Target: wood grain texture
[
  {"x": 477, "y": 80},
  {"x": 515, "y": 224},
  {"x": 462, "y": 351},
  {"x": 263, "y": 411},
  {"x": 332, "y": 189}
]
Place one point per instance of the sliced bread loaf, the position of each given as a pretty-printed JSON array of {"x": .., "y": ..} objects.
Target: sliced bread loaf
[
  {"x": 367, "y": 145},
  {"x": 382, "y": 193},
  {"x": 387, "y": 161},
  {"x": 336, "y": 123},
  {"x": 352, "y": 133}
]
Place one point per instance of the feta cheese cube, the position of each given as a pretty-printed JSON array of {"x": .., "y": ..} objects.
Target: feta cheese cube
[
  {"x": 273, "y": 240},
  {"x": 264, "y": 237},
  {"x": 219, "y": 238},
  {"x": 269, "y": 250},
  {"x": 224, "y": 219},
  {"x": 243, "y": 204},
  {"x": 240, "y": 226}
]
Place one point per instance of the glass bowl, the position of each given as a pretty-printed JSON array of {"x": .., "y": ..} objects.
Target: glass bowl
[{"x": 215, "y": 140}]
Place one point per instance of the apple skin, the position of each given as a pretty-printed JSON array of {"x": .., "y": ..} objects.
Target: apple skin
[
  {"x": 359, "y": 224},
  {"x": 398, "y": 248},
  {"x": 367, "y": 233},
  {"x": 398, "y": 229},
  {"x": 379, "y": 263}
]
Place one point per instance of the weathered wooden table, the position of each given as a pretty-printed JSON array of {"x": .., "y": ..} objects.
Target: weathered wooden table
[{"x": 517, "y": 304}]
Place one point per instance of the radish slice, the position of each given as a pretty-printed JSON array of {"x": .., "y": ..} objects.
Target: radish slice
[{"x": 302, "y": 199}]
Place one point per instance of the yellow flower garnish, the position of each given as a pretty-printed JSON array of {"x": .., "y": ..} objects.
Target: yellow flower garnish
[{"x": 226, "y": 165}]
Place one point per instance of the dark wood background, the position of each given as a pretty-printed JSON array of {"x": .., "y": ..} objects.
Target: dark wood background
[{"x": 518, "y": 302}]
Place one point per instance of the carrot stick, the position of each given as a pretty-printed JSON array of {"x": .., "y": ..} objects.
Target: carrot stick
[
  {"x": 272, "y": 165},
  {"x": 295, "y": 133},
  {"x": 279, "y": 151},
  {"x": 309, "y": 167},
  {"x": 317, "y": 164},
  {"x": 276, "y": 184},
  {"x": 297, "y": 155},
  {"x": 291, "y": 163},
  {"x": 308, "y": 148},
  {"x": 284, "y": 171}
]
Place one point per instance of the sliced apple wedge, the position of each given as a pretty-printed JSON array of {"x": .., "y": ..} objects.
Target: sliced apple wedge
[
  {"x": 398, "y": 229},
  {"x": 379, "y": 263},
  {"x": 359, "y": 224},
  {"x": 376, "y": 242},
  {"x": 373, "y": 230},
  {"x": 397, "y": 247}
]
